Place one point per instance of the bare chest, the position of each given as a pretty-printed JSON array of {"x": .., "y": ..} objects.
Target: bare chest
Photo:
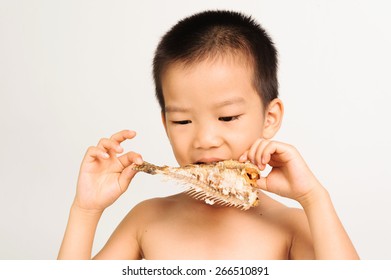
[{"x": 213, "y": 236}]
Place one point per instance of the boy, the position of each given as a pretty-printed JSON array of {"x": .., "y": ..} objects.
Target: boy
[{"x": 216, "y": 82}]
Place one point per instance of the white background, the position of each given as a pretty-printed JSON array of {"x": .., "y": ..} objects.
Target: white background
[{"x": 72, "y": 72}]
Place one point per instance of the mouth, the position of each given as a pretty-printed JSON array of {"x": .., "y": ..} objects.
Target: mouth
[
  {"x": 201, "y": 162},
  {"x": 207, "y": 160}
]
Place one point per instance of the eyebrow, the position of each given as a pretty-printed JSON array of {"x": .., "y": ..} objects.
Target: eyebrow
[
  {"x": 228, "y": 102},
  {"x": 232, "y": 101},
  {"x": 172, "y": 109}
]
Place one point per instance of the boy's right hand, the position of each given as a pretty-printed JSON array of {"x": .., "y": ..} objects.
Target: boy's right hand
[{"x": 104, "y": 176}]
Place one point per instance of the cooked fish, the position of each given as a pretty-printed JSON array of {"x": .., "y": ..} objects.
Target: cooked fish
[{"x": 229, "y": 182}]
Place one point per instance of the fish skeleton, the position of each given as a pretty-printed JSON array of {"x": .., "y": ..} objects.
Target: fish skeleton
[{"x": 227, "y": 183}]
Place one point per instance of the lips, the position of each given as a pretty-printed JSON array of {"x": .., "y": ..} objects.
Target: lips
[{"x": 207, "y": 160}]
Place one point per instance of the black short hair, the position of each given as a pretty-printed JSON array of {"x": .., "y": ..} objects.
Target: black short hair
[{"x": 210, "y": 33}]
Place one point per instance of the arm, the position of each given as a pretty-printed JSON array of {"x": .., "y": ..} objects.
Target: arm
[
  {"x": 290, "y": 177},
  {"x": 103, "y": 178},
  {"x": 329, "y": 236},
  {"x": 79, "y": 234}
]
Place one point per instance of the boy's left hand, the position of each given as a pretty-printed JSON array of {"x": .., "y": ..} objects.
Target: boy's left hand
[{"x": 290, "y": 176}]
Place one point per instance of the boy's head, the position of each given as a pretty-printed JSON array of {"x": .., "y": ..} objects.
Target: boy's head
[
  {"x": 214, "y": 34},
  {"x": 216, "y": 82}
]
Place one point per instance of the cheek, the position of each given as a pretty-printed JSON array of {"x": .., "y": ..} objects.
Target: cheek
[
  {"x": 244, "y": 139},
  {"x": 179, "y": 145},
  {"x": 240, "y": 144}
]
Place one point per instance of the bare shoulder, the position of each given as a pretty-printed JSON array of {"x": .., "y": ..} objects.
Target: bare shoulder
[
  {"x": 124, "y": 243},
  {"x": 154, "y": 204},
  {"x": 295, "y": 223},
  {"x": 147, "y": 211},
  {"x": 151, "y": 209}
]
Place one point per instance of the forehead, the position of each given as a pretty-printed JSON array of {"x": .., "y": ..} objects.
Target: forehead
[
  {"x": 216, "y": 79},
  {"x": 225, "y": 58}
]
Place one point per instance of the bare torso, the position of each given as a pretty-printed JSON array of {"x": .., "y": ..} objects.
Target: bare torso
[{"x": 180, "y": 227}]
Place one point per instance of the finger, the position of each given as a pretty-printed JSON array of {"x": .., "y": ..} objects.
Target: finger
[
  {"x": 271, "y": 149},
  {"x": 262, "y": 183},
  {"x": 259, "y": 153},
  {"x": 130, "y": 158},
  {"x": 123, "y": 135},
  {"x": 253, "y": 149},
  {"x": 110, "y": 146},
  {"x": 128, "y": 173},
  {"x": 243, "y": 157},
  {"x": 94, "y": 153},
  {"x": 126, "y": 176}
]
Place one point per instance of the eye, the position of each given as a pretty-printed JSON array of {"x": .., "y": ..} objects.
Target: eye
[
  {"x": 228, "y": 119},
  {"x": 181, "y": 122}
]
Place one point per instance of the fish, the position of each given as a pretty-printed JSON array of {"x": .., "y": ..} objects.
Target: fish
[{"x": 226, "y": 183}]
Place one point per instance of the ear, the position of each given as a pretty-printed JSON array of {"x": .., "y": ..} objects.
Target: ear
[{"x": 273, "y": 118}]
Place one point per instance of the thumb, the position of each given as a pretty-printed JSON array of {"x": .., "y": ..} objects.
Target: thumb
[
  {"x": 262, "y": 183},
  {"x": 126, "y": 177}
]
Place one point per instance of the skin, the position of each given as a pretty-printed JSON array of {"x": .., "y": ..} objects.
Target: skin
[{"x": 212, "y": 113}]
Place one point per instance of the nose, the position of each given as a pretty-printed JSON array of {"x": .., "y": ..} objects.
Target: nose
[{"x": 206, "y": 137}]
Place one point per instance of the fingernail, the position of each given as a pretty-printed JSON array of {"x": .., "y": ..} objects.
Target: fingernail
[
  {"x": 138, "y": 161},
  {"x": 242, "y": 158},
  {"x": 105, "y": 155}
]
